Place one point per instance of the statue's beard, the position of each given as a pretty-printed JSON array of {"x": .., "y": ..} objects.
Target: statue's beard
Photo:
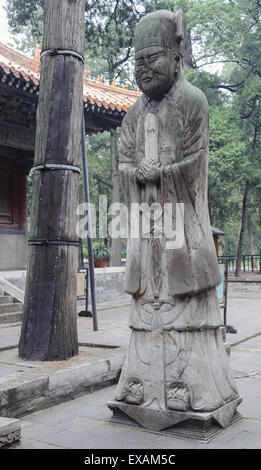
[{"x": 154, "y": 84}]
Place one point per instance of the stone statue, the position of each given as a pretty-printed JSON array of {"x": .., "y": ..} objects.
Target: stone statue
[{"x": 176, "y": 362}]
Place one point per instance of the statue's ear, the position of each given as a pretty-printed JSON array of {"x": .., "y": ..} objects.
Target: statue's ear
[{"x": 181, "y": 22}]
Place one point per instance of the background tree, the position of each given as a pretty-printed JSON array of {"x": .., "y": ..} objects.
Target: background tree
[{"x": 233, "y": 38}]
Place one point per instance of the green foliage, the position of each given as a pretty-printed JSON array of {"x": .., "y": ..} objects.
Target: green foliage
[
  {"x": 101, "y": 251},
  {"x": 206, "y": 82},
  {"x": 228, "y": 166},
  {"x": 109, "y": 34},
  {"x": 25, "y": 19},
  {"x": 99, "y": 166},
  {"x": 228, "y": 32}
]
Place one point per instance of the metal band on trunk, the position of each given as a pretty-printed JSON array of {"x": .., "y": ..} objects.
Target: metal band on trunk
[
  {"x": 56, "y": 166},
  {"x": 43, "y": 241},
  {"x": 62, "y": 52}
]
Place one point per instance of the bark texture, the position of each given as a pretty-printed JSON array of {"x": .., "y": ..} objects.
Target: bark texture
[
  {"x": 252, "y": 241},
  {"x": 49, "y": 328},
  {"x": 242, "y": 231}
]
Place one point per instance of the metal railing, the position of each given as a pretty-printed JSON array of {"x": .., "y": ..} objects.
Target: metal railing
[
  {"x": 12, "y": 290},
  {"x": 249, "y": 263}
]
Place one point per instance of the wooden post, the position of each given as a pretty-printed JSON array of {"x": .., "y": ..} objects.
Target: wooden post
[
  {"x": 49, "y": 328},
  {"x": 115, "y": 242}
]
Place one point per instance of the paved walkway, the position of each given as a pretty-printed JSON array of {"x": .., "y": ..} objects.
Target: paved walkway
[
  {"x": 243, "y": 313},
  {"x": 82, "y": 423}
]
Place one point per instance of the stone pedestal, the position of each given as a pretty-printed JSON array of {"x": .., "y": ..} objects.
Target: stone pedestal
[
  {"x": 193, "y": 425},
  {"x": 10, "y": 431}
]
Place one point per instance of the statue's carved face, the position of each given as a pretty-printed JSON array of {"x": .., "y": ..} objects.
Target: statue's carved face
[{"x": 155, "y": 70}]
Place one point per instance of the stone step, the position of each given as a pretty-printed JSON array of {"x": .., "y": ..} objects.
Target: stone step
[
  {"x": 10, "y": 307},
  {"x": 5, "y": 299},
  {"x": 12, "y": 317}
]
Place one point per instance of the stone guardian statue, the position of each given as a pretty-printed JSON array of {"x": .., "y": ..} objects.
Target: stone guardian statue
[{"x": 176, "y": 367}]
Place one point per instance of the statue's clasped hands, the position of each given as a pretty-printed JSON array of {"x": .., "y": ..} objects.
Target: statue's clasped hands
[{"x": 148, "y": 171}]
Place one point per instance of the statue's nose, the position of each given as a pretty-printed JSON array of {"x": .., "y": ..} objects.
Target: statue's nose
[
  {"x": 146, "y": 66},
  {"x": 146, "y": 63}
]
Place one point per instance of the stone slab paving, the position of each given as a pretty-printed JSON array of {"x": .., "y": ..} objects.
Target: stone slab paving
[
  {"x": 83, "y": 423},
  {"x": 243, "y": 312},
  {"x": 67, "y": 427},
  {"x": 9, "y": 335}
]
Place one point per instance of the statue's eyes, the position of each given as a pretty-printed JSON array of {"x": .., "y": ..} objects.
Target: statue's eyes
[
  {"x": 149, "y": 59},
  {"x": 153, "y": 57},
  {"x": 139, "y": 62}
]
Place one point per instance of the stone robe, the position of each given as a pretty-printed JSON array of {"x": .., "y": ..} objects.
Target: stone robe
[{"x": 176, "y": 358}]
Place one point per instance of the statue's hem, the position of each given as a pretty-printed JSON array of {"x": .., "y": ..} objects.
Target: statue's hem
[{"x": 190, "y": 424}]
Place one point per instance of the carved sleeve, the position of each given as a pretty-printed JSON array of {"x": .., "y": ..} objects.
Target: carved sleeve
[
  {"x": 196, "y": 125},
  {"x": 127, "y": 143}
]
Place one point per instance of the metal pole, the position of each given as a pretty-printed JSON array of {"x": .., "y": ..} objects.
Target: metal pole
[
  {"x": 225, "y": 292},
  {"x": 89, "y": 238}
]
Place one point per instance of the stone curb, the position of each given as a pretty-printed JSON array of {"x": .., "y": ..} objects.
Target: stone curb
[
  {"x": 243, "y": 340},
  {"x": 10, "y": 431},
  {"x": 244, "y": 279},
  {"x": 33, "y": 390},
  {"x": 105, "y": 305}
]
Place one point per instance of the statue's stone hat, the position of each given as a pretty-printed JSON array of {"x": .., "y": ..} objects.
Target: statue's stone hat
[{"x": 161, "y": 28}]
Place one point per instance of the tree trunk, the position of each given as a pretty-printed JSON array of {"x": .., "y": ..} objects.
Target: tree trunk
[
  {"x": 260, "y": 235},
  {"x": 252, "y": 240},
  {"x": 115, "y": 242},
  {"x": 49, "y": 328},
  {"x": 242, "y": 231}
]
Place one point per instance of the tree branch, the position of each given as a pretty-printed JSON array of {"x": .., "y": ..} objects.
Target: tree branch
[
  {"x": 113, "y": 15},
  {"x": 98, "y": 178},
  {"x": 246, "y": 116},
  {"x": 121, "y": 61}
]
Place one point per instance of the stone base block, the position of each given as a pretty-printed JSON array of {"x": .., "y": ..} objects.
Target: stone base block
[
  {"x": 192, "y": 425},
  {"x": 10, "y": 431}
]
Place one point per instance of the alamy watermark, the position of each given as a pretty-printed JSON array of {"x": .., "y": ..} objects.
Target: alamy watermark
[{"x": 139, "y": 220}]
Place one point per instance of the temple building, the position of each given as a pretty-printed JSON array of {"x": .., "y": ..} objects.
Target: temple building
[{"x": 104, "y": 108}]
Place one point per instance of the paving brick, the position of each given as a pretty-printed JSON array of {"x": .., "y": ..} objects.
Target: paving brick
[{"x": 245, "y": 440}]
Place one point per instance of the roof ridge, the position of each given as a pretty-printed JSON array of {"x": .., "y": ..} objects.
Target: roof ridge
[
  {"x": 102, "y": 94},
  {"x": 5, "y": 49},
  {"x": 114, "y": 89}
]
